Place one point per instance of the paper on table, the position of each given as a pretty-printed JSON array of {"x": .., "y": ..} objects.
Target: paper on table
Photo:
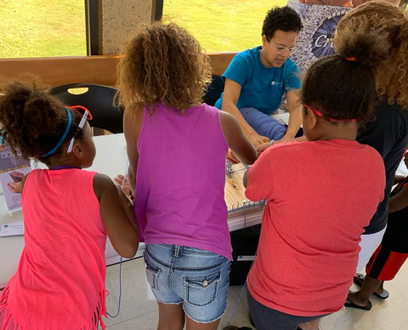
[{"x": 12, "y": 229}]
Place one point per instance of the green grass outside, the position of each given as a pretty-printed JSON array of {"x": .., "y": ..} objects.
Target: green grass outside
[
  {"x": 40, "y": 28},
  {"x": 221, "y": 25}
]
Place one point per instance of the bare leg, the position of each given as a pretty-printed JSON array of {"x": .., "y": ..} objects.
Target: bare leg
[
  {"x": 191, "y": 325},
  {"x": 312, "y": 325},
  {"x": 380, "y": 289},
  {"x": 360, "y": 298},
  {"x": 171, "y": 317}
]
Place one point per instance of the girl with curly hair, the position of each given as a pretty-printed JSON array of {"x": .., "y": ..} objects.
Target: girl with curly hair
[
  {"x": 60, "y": 280},
  {"x": 377, "y": 33},
  {"x": 177, "y": 148}
]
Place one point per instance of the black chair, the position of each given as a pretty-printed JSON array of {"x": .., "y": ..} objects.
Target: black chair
[
  {"x": 214, "y": 91},
  {"x": 99, "y": 99}
]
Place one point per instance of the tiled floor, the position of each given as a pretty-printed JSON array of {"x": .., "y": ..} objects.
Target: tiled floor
[{"x": 139, "y": 308}]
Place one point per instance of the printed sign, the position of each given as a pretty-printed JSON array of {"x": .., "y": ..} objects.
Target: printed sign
[
  {"x": 12, "y": 171},
  {"x": 316, "y": 38}
]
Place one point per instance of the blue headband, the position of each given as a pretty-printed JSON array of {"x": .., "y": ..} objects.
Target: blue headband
[{"x": 62, "y": 138}]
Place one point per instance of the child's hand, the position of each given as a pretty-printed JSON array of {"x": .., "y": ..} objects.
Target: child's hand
[
  {"x": 232, "y": 158},
  {"x": 261, "y": 148},
  {"x": 15, "y": 187},
  {"x": 119, "y": 182},
  {"x": 125, "y": 200}
]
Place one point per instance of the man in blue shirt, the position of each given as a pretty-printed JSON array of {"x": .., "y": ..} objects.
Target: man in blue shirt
[{"x": 257, "y": 79}]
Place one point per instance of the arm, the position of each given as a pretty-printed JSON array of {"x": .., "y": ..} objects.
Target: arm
[
  {"x": 295, "y": 114},
  {"x": 258, "y": 180},
  {"x": 117, "y": 216},
  {"x": 236, "y": 75},
  {"x": 236, "y": 139},
  {"x": 399, "y": 201},
  {"x": 232, "y": 91},
  {"x": 398, "y": 179},
  {"x": 131, "y": 129},
  {"x": 260, "y": 149}
]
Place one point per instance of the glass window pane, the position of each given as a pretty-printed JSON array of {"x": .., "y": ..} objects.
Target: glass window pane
[
  {"x": 32, "y": 28},
  {"x": 220, "y": 25}
]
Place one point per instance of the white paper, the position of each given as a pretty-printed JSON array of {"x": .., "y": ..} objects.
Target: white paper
[{"x": 12, "y": 229}]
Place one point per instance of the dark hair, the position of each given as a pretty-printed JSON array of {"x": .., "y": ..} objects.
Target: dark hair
[
  {"x": 340, "y": 89},
  {"x": 34, "y": 122},
  {"x": 281, "y": 18}
]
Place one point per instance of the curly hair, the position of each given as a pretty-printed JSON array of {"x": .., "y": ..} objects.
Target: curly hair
[
  {"x": 376, "y": 33},
  {"x": 281, "y": 18},
  {"x": 162, "y": 64},
  {"x": 34, "y": 122},
  {"x": 340, "y": 89}
]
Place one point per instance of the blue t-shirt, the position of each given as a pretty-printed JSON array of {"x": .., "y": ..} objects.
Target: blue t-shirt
[{"x": 262, "y": 88}]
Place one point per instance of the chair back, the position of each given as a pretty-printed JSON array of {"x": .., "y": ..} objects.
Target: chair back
[{"x": 99, "y": 99}]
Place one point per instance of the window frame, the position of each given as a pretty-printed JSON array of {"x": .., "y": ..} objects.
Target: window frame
[
  {"x": 92, "y": 27},
  {"x": 157, "y": 10}
]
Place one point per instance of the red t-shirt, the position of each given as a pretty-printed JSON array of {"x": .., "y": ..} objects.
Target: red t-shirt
[{"x": 320, "y": 196}]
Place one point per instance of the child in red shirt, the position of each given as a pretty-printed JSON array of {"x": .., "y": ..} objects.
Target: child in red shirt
[{"x": 317, "y": 201}]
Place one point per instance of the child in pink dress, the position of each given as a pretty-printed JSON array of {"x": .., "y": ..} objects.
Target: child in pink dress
[{"x": 60, "y": 280}]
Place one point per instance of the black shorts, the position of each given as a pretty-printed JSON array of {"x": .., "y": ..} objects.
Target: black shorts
[{"x": 266, "y": 318}]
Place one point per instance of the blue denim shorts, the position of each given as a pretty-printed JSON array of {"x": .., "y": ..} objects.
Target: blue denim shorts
[{"x": 196, "y": 278}]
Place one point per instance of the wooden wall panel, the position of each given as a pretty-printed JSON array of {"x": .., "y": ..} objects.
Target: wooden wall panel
[
  {"x": 220, "y": 61},
  {"x": 57, "y": 71}
]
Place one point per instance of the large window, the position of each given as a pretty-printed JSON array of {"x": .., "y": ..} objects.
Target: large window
[
  {"x": 32, "y": 28},
  {"x": 221, "y": 25}
]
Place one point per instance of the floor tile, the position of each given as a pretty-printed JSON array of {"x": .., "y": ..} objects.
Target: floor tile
[
  {"x": 125, "y": 265},
  {"x": 147, "y": 321},
  {"x": 240, "y": 318},
  {"x": 120, "y": 326},
  {"x": 137, "y": 297},
  {"x": 112, "y": 301},
  {"x": 139, "y": 308}
]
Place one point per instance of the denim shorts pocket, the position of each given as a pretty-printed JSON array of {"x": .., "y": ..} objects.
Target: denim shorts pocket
[
  {"x": 201, "y": 290},
  {"x": 152, "y": 274}
]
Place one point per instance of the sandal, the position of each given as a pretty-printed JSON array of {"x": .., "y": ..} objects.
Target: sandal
[
  {"x": 359, "y": 279},
  {"x": 350, "y": 304}
]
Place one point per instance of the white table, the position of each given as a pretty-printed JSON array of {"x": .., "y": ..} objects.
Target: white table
[{"x": 111, "y": 159}]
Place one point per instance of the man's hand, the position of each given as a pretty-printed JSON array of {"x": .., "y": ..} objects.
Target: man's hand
[{"x": 257, "y": 139}]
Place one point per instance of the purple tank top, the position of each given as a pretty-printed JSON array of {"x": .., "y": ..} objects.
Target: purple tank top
[{"x": 180, "y": 179}]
